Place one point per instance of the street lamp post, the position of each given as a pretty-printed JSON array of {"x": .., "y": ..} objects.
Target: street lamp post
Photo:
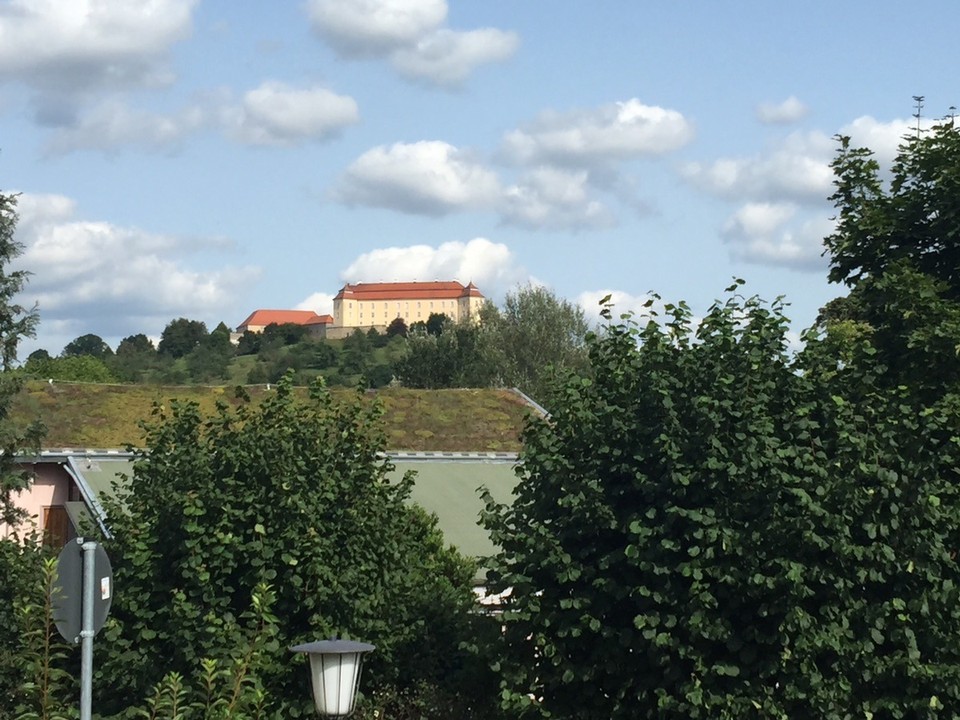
[{"x": 335, "y": 674}]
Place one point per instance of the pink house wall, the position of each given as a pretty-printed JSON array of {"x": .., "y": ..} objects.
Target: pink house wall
[{"x": 51, "y": 487}]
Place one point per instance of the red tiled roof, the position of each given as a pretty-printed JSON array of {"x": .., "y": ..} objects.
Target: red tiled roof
[
  {"x": 407, "y": 291},
  {"x": 299, "y": 317}
]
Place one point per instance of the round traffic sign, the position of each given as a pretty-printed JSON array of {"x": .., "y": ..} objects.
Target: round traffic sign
[{"x": 67, "y": 594}]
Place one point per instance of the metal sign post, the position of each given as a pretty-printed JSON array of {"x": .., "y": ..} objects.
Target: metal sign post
[
  {"x": 87, "y": 633},
  {"x": 82, "y": 566}
]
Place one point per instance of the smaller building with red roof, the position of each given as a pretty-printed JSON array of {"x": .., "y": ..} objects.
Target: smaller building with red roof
[{"x": 259, "y": 319}]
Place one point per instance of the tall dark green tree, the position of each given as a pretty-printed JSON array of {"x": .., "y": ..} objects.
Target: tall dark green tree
[
  {"x": 16, "y": 323},
  {"x": 18, "y": 565},
  {"x": 896, "y": 247},
  {"x": 89, "y": 344},
  {"x": 180, "y": 336},
  {"x": 709, "y": 527},
  {"x": 135, "y": 345}
]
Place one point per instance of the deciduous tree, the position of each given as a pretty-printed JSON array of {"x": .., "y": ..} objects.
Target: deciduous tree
[
  {"x": 180, "y": 336},
  {"x": 18, "y": 565},
  {"x": 91, "y": 345},
  {"x": 707, "y": 527},
  {"x": 537, "y": 334},
  {"x": 293, "y": 493},
  {"x": 896, "y": 247}
]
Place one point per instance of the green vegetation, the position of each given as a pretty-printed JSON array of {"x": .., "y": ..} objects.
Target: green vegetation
[
  {"x": 109, "y": 416},
  {"x": 292, "y": 492},
  {"x": 19, "y": 556},
  {"x": 709, "y": 526},
  {"x": 521, "y": 346}
]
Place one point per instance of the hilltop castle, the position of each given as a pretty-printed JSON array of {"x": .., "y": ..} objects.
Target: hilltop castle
[{"x": 376, "y": 305}]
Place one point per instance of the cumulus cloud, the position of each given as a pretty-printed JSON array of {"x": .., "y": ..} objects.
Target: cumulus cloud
[
  {"x": 883, "y": 137},
  {"x": 410, "y": 34},
  {"x": 489, "y": 265},
  {"x": 447, "y": 57},
  {"x": 567, "y": 170},
  {"x": 606, "y": 134},
  {"x": 784, "y": 113},
  {"x": 552, "y": 198},
  {"x": 277, "y": 114},
  {"x": 798, "y": 168},
  {"x": 271, "y": 114},
  {"x": 63, "y": 48},
  {"x": 374, "y": 27},
  {"x": 435, "y": 178},
  {"x": 776, "y": 234},
  {"x": 320, "y": 302},
  {"x": 113, "y": 124},
  {"x": 429, "y": 177},
  {"x": 93, "y": 276}
]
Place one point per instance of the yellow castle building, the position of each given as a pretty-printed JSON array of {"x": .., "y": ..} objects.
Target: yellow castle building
[{"x": 365, "y": 305}]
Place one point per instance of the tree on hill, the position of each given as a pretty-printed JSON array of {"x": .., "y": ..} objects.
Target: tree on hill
[
  {"x": 180, "y": 336},
  {"x": 397, "y": 327},
  {"x": 279, "y": 335},
  {"x": 462, "y": 355},
  {"x": 135, "y": 345},
  {"x": 72, "y": 368},
  {"x": 210, "y": 359},
  {"x": 136, "y": 359},
  {"x": 537, "y": 334},
  {"x": 90, "y": 345},
  {"x": 293, "y": 493}
]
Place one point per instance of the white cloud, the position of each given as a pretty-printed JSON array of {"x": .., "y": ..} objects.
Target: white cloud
[
  {"x": 429, "y": 177},
  {"x": 490, "y": 266},
  {"x": 784, "y": 113},
  {"x": 271, "y": 114},
  {"x": 321, "y": 303},
  {"x": 93, "y": 276},
  {"x": 610, "y": 133},
  {"x": 71, "y": 45},
  {"x": 882, "y": 137},
  {"x": 112, "y": 124},
  {"x": 551, "y": 198},
  {"x": 798, "y": 168},
  {"x": 374, "y": 27},
  {"x": 776, "y": 234},
  {"x": 447, "y": 57},
  {"x": 276, "y": 114},
  {"x": 410, "y": 34}
]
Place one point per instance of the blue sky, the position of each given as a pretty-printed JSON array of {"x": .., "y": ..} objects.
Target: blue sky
[{"x": 205, "y": 158}]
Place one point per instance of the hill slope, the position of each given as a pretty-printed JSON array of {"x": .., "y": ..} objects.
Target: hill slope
[{"x": 108, "y": 416}]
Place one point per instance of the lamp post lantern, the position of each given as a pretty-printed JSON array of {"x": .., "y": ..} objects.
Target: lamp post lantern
[{"x": 335, "y": 674}]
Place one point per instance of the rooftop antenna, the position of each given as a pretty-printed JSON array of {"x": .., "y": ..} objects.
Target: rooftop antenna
[{"x": 918, "y": 99}]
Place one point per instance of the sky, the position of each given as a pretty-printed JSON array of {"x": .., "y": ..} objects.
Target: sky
[{"x": 206, "y": 158}]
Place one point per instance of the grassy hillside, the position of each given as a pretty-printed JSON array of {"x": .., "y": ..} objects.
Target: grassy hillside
[{"x": 108, "y": 416}]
